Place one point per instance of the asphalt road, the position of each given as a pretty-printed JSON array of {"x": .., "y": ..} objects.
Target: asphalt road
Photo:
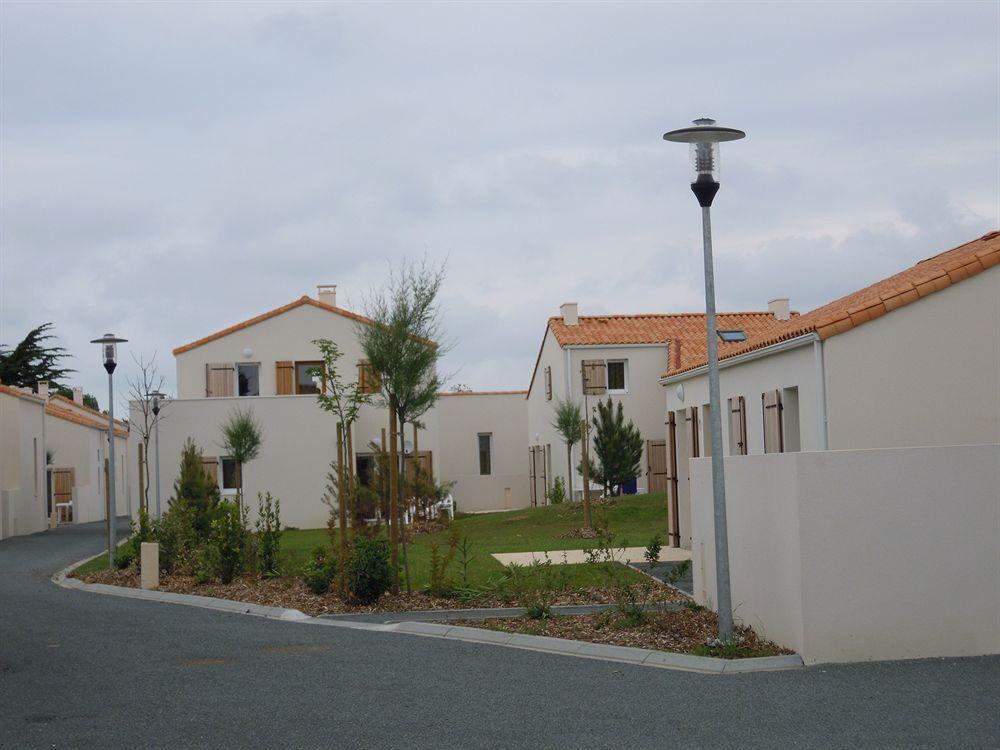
[{"x": 85, "y": 670}]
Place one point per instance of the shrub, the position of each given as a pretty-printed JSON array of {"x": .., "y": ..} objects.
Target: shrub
[
  {"x": 440, "y": 584},
  {"x": 319, "y": 571},
  {"x": 368, "y": 572},
  {"x": 268, "y": 533},
  {"x": 557, "y": 495},
  {"x": 229, "y": 540},
  {"x": 206, "y": 564},
  {"x": 177, "y": 539},
  {"x": 533, "y": 587},
  {"x": 125, "y": 555},
  {"x": 195, "y": 495},
  {"x": 652, "y": 553}
]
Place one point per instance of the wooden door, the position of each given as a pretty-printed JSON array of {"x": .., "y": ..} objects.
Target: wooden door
[
  {"x": 656, "y": 465},
  {"x": 423, "y": 459},
  {"x": 63, "y": 481}
]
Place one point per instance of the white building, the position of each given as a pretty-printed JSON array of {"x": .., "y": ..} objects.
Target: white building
[
  {"x": 264, "y": 363},
  {"x": 870, "y": 529}
]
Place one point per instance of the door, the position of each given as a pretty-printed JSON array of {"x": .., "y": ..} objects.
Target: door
[
  {"x": 62, "y": 494},
  {"x": 537, "y": 474},
  {"x": 656, "y": 465}
]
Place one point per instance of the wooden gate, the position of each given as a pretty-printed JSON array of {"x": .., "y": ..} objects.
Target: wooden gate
[
  {"x": 672, "y": 488},
  {"x": 537, "y": 476},
  {"x": 62, "y": 494},
  {"x": 423, "y": 459},
  {"x": 656, "y": 465}
]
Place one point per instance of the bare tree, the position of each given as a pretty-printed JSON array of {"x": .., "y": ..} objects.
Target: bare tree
[{"x": 147, "y": 380}]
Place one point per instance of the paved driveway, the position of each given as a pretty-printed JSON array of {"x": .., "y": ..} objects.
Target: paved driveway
[{"x": 84, "y": 670}]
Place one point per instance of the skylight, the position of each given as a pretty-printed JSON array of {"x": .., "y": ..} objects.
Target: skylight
[{"x": 731, "y": 337}]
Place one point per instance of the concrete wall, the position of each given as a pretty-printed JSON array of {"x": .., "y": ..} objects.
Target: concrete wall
[
  {"x": 858, "y": 555},
  {"x": 925, "y": 374},
  {"x": 643, "y": 402},
  {"x": 22, "y": 467},
  {"x": 84, "y": 449},
  {"x": 462, "y": 417}
]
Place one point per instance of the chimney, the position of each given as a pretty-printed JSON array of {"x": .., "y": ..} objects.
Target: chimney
[
  {"x": 779, "y": 308},
  {"x": 327, "y": 294},
  {"x": 569, "y": 314},
  {"x": 43, "y": 389},
  {"x": 78, "y": 396}
]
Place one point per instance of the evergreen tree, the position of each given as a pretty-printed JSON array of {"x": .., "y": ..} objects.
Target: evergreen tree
[
  {"x": 568, "y": 423},
  {"x": 33, "y": 361},
  {"x": 195, "y": 495},
  {"x": 617, "y": 448}
]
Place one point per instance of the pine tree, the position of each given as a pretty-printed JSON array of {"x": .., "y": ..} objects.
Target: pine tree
[
  {"x": 195, "y": 494},
  {"x": 617, "y": 447},
  {"x": 32, "y": 361}
]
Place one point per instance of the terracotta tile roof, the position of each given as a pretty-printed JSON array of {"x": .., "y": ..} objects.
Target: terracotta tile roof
[
  {"x": 482, "y": 393},
  {"x": 303, "y": 300},
  {"x": 926, "y": 277},
  {"x": 73, "y": 406},
  {"x": 76, "y": 417},
  {"x": 18, "y": 393}
]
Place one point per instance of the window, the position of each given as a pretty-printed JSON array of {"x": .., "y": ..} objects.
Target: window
[
  {"x": 230, "y": 476},
  {"x": 248, "y": 379},
  {"x": 548, "y": 383},
  {"x": 485, "y": 457},
  {"x": 731, "y": 337},
  {"x": 771, "y": 408},
  {"x": 617, "y": 376},
  {"x": 304, "y": 382},
  {"x": 790, "y": 419}
]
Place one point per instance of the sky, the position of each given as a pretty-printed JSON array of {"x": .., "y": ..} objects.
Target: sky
[{"x": 169, "y": 169}]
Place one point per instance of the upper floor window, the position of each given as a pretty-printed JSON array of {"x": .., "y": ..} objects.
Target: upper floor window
[
  {"x": 248, "y": 378},
  {"x": 618, "y": 375},
  {"x": 306, "y": 377}
]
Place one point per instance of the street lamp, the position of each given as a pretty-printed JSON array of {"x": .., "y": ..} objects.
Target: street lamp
[
  {"x": 158, "y": 398},
  {"x": 705, "y": 137},
  {"x": 109, "y": 358}
]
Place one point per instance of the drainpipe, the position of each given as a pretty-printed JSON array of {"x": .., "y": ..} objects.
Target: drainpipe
[{"x": 821, "y": 423}]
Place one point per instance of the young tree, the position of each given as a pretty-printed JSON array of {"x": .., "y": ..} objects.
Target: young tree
[
  {"x": 617, "y": 447},
  {"x": 33, "y": 361},
  {"x": 568, "y": 423},
  {"x": 147, "y": 380},
  {"x": 195, "y": 495},
  {"x": 400, "y": 345},
  {"x": 242, "y": 437}
]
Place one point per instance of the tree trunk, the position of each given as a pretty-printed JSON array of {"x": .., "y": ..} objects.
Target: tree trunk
[
  {"x": 586, "y": 476},
  {"x": 341, "y": 494},
  {"x": 393, "y": 495},
  {"x": 569, "y": 472},
  {"x": 402, "y": 499},
  {"x": 351, "y": 481}
]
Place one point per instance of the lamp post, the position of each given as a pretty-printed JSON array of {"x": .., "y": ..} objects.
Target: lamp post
[
  {"x": 157, "y": 401},
  {"x": 705, "y": 137},
  {"x": 109, "y": 356}
]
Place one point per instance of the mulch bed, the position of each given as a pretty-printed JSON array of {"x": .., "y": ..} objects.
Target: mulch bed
[
  {"x": 292, "y": 593},
  {"x": 682, "y": 631}
]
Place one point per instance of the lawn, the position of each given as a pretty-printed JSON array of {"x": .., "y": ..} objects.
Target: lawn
[{"x": 633, "y": 519}]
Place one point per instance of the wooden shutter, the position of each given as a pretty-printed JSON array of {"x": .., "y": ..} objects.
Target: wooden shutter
[
  {"x": 773, "y": 439},
  {"x": 671, "y": 451},
  {"x": 656, "y": 465},
  {"x": 595, "y": 377},
  {"x": 548, "y": 383},
  {"x": 691, "y": 428},
  {"x": 284, "y": 379},
  {"x": 210, "y": 465},
  {"x": 219, "y": 378},
  {"x": 737, "y": 426},
  {"x": 368, "y": 380}
]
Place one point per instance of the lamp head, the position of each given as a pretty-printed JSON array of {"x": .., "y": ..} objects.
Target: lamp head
[
  {"x": 704, "y": 137},
  {"x": 109, "y": 350}
]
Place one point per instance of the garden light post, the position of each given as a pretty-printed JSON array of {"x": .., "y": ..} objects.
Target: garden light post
[
  {"x": 705, "y": 137},
  {"x": 157, "y": 401},
  {"x": 109, "y": 357}
]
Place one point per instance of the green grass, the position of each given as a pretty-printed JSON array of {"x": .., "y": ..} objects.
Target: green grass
[
  {"x": 98, "y": 563},
  {"x": 633, "y": 519}
]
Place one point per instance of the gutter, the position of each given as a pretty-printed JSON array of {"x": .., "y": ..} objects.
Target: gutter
[{"x": 767, "y": 351}]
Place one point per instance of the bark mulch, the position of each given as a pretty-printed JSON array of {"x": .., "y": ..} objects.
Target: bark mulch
[
  {"x": 292, "y": 593},
  {"x": 685, "y": 631}
]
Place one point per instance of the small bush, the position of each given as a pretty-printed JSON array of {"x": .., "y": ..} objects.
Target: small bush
[
  {"x": 319, "y": 571},
  {"x": 206, "y": 563},
  {"x": 652, "y": 553},
  {"x": 440, "y": 584},
  {"x": 268, "y": 533},
  {"x": 125, "y": 555},
  {"x": 368, "y": 572},
  {"x": 534, "y": 588},
  {"x": 229, "y": 540},
  {"x": 557, "y": 495}
]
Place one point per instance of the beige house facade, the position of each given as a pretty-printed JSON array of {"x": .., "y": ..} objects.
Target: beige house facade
[
  {"x": 265, "y": 364},
  {"x": 22, "y": 463}
]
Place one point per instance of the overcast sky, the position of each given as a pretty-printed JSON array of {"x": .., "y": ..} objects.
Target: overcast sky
[{"x": 170, "y": 169}]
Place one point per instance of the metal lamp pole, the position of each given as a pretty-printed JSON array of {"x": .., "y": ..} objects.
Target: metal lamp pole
[
  {"x": 109, "y": 355},
  {"x": 704, "y": 138},
  {"x": 157, "y": 399}
]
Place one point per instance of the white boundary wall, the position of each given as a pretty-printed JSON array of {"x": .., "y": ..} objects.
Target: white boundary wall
[{"x": 860, "y": 555}]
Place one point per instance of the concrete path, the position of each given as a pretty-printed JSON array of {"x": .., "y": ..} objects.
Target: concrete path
[
  {"x": 82, "y": 670},
  {"x": 575, "y": 556}
]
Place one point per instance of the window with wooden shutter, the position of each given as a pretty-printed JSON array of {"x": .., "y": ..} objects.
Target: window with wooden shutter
[
  {"x": 595, "y": 377},
  {"x": 284, "y": 378},
  {"x": 773, "y": 438},
  {"x": 368, "y": 380},
  {"x": 691, "y": 430},
  {"x": 548, "y": 383},
  {"x": 220, "y": 378},
  {"x": 737, "y": 426}
]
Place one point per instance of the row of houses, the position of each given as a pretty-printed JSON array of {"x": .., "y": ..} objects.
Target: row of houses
[{"x": 53, "y": 461}]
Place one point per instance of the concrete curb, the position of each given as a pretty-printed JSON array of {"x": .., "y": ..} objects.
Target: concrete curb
[{"x": 540, "y": 643}]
